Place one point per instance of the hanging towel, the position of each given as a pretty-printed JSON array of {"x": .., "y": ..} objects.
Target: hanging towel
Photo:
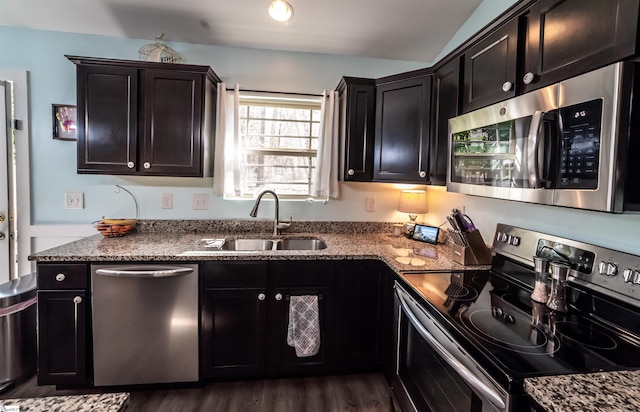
[{"x": 303, "y": 332}]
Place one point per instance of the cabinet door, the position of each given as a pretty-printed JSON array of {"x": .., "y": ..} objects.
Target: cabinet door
[
  {"x": 233, "y": 319},
  {"x": 357, "y": 127},
  {"x": 233, "y": 340},
  {"x": 490, "y": 68},
  {"x": 62, "y": 337},
  {"x": 173, "y": 106},
  {"x": 298, "y": 278},
  {"x": 446, "y": 89},
  {"x": 403, "y": 113},
  {"x": 107, "y": 119},
  {"x": 361, "y": 287},
  {"x": 569, "y": 37}
]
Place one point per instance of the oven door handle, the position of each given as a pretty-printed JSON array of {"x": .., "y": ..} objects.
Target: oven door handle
[{"x": 473, "y": 381}]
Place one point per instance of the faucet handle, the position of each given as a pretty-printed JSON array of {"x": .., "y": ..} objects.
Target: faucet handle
[{"x": 285, "y": 225}]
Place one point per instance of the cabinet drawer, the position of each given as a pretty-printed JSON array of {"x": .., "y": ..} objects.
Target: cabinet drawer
[{"x": 61, "y": 276}]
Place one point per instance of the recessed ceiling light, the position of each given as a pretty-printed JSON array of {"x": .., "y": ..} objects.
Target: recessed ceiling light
[{"x": 280, "y": 10}]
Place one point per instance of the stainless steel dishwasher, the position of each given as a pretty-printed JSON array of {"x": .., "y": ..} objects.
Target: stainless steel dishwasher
[{"x": 145, "y": 323}]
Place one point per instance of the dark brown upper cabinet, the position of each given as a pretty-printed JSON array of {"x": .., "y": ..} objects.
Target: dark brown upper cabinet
[
  {"x": 357, "y": 99},
  {"x": 403, "y": 122},
  {"x": 490, "y": 68},
  {"x": 147, "y": 119},
  {"x": 569, "y": 37},
  {"x": 446, "y": 97}
]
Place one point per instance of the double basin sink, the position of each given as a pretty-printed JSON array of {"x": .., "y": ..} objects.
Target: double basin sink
[
  {"x": 214, "y": 246},
  {"x": 273, "y": 244}
]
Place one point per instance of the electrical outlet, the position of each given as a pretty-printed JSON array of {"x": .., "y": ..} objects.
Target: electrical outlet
[
  {"x": 200, "y": 201},
  {"x": 167, "y": 200},
  {"x": 74, "y": 200},
  {"x": 370, "y": 204}
]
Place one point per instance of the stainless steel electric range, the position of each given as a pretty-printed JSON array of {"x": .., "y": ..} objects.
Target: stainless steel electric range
[{"x": 465, "y": 341}]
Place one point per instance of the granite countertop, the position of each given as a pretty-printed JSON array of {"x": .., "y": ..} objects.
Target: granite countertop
[
  {"x": 105, "y": 402},
  {"x": 399, "y": 252},
  {"x": 592, "y": 392}
]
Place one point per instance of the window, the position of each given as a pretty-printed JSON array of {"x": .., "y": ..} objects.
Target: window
[{"x": 278, "y": 143}]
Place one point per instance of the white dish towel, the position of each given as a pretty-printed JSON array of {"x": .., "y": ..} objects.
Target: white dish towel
[{"x": 303, "y": 332}]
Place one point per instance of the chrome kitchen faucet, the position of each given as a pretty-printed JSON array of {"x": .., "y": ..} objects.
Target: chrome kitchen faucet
[{"x": 276, "y": 222}]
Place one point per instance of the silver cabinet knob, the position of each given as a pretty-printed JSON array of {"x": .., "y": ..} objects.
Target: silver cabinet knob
[
  {"x": 262, "y": 296},
  {"x": 2, "y": 235},
  {"x": 278, "y": 296},
  {"x": 146, "y": 165},
  {"x": 131, "y": 165},
  {"x": 507, "y": 86},
  {"x": 77, "y": 300},
  {"x": 60, "y": 277},
  {"x": 423, "y": 173},
  {"x": 351, "y": 172},
  {"x": 528, "y": 78}
]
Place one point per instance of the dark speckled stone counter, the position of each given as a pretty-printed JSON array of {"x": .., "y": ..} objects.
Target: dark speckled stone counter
[
  {"x": 593, "y": 392},
  {"x": 106, "y": 402},
  {"x": 168, "y": 243}
]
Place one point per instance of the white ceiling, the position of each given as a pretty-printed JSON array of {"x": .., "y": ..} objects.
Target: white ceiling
[{"x": 412, "y": 30}]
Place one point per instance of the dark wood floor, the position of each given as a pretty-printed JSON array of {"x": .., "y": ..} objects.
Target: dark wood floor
[{"x": 366, "y": 392}]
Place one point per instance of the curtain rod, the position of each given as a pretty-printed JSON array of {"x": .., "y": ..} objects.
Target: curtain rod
[{"x": 264, "y": 91}]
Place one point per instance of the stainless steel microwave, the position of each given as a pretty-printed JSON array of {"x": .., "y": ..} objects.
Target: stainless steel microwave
[{"x": 565, "y": 145}]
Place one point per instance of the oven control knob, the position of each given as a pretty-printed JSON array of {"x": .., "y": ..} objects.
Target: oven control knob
[
  {"x": 631, "y": 276},
  {"x": 515, "y": 241},
  {"x": 503, "y": 237},
  {"x": 607, "y": 268}
]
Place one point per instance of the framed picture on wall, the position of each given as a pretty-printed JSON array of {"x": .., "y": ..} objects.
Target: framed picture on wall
[{"x": 64, "y": 122}]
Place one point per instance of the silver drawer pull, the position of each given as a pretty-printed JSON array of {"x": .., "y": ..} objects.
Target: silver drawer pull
[{"x": 60, "y": 277}]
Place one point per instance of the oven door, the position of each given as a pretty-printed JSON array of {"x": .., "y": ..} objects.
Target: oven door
[{"x": 432, "y": 371}]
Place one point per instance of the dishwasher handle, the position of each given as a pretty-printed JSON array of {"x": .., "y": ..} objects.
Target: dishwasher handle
[{"x": 157, "y": 272}]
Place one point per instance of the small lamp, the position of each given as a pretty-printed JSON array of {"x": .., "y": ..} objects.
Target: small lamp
[{"x": 413, "y": 202}]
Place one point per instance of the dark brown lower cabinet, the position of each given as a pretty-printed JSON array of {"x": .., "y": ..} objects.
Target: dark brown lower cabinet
[
  {"x": 233, "y": 322},
  {"x": 245, "y": 316},
  {"x": 362, "y": 288},
  {"x": 62, "y": 337}
]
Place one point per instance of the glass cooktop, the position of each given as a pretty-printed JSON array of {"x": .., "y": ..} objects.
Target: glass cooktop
[{"x": 521, "y": 337}]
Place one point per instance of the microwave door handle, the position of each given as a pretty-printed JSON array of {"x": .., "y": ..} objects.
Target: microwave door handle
[
  {"x": 533, "y": 143},
  {"x": 493, "y": 396}
]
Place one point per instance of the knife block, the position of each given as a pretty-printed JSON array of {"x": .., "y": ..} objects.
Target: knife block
[{"x": 475, "y": 253}]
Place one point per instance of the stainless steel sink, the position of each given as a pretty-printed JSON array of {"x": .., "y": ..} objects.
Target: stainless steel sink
[
  {"x": 259, "y": 245},
  {"x": 247, "y": 244},
  {"x": 301, "y": 244}
]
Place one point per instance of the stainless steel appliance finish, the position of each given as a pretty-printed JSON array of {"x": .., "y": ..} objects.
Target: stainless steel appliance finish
[
  {"x": 564, "y": 145},
  {"x": 433, "y": 370},
  {"x": 466, "y": 340},
  {"x": 17, "y": 330},
  {"x": 145, "y": 324}
]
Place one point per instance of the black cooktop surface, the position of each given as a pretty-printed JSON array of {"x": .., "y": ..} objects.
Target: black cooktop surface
[{"x": 496, "y": 315}]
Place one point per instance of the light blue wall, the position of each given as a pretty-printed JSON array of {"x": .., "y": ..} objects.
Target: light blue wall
[
  {"x": 53, "y": 163},
  {"x": 485, "y": 13}
]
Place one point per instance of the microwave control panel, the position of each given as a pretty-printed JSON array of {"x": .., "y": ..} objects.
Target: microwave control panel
[{"x": 580, "y": 145}]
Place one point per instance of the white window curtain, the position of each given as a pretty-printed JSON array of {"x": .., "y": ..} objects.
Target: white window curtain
[
  {"x": 325, "y": 178},
  {"x": 226, "y": 166}
]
